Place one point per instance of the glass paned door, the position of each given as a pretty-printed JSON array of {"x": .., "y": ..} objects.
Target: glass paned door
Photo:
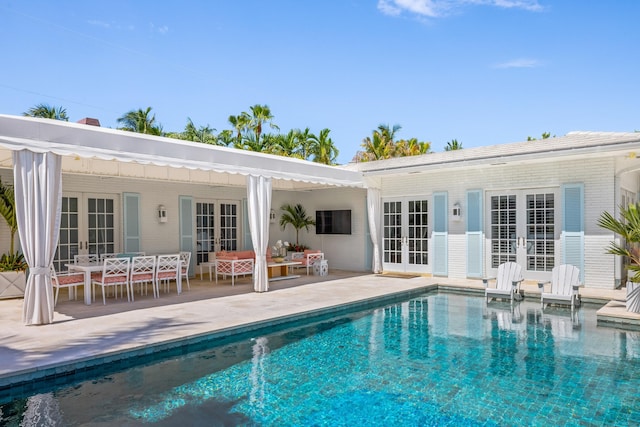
[
  {"x": 216, "y": 228},
  {"x": 523, "y": 229},
  {"x": 101, "y": 225},
  {"x": 405, "y": 235},
  {"x": 69, "y": 240},
  {"x": 87, "y": 226}
]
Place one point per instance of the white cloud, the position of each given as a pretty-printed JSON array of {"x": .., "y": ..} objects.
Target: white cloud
[
  {"x": 519, "y": 63},
  {"x": 438, "y": 8},
  {"x": 99, "y": 23},
  {"x": 162, "y": 30}
]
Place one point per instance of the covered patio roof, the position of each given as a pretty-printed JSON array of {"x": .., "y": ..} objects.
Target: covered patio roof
[{"x": 109, "y": 152}]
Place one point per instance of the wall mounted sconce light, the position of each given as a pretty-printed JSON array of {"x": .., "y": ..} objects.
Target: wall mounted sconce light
[
  {"x": 456, "y": 212},
  {"x": 272, "y": 216},
  {"x": 162, "y": 214}
]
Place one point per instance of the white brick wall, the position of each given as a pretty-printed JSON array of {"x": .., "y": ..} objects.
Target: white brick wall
[{"x": 597, "y": 175}]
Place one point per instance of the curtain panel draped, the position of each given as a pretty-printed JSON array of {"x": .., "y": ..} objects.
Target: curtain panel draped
[
  {"x": 38, "y": 193},
  {"x": 373, "y": 211},
  {"x": 258, "y": 207}
]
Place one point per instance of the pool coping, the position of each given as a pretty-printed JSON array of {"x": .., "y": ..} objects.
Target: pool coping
[{"x": 19, "y": 380}]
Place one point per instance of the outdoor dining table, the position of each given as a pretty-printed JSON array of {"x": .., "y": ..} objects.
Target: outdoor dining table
[{"x": 87, "y": 269}]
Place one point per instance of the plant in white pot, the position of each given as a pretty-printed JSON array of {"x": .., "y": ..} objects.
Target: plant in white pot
[{"x": 12, "y": 264}]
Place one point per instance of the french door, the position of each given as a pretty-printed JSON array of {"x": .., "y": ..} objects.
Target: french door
[
  {"x": 405, "y": 234},
  {"x": 87, "y": 226},
  {"x": 524, "y": 227},
  {"x": 217, "y": 227}
]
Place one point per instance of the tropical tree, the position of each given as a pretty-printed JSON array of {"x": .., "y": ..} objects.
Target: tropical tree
[
  {"x": 376, "y": 147},
  {"x": 140, "y": 121},
  {"x": 453, "y": 145},
  {"x": 225, "y": 138},
  {"x": 287, "y": 145},
  {"x": 204, "y": 134},
  {"x": 297, "y": 217},
  {"x": 322, "y": 148},
  {"x": 411, "y": 147},
  {"x": 47, "y": 111},
  {"x": 8, "y": 211},
  {"x": 545, "y": 135},
  {"x": 240, "y": 123},
  {"x": 260, "y": 114},
  {"x": 627, "y": 227}
]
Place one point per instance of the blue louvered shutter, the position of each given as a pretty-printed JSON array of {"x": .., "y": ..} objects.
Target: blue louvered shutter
[
  {"x": 440, "y": 234},
  {"x": 186, "y": 227},
  {"x": 573, "y": 226},
  {"x": 131, "y": 219},
  {"x": 474, "y": 234}
]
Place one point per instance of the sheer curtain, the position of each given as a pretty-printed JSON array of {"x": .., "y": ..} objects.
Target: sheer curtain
[
  {"x": 37, "y": 179},
  {"x": 373, "y": 211},
  {"x": 258, "y": 207}
]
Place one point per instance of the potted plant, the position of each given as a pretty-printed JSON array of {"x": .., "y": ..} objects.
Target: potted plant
[
  {"x": 628, "y": 228},
  {"x": 297, "y": 217},
  {"x": 12, "y": 264}
]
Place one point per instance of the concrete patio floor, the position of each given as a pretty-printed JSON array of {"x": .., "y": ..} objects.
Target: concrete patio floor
[{"x": 83, "y": 336}]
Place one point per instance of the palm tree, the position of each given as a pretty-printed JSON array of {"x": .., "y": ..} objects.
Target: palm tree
[
  {"x": 260, "y": 114},
  {"x": 627, "y": 227},
  {"x": 225, "y": 138},
  {"x": 376, "y": 147},
  {"x": 287, "y": 145},
  {"x": 322, "y": 148},
  {"x": 202, "y": 134},
  {"x": 297, "y": 217},
  {"x": 8, "y": 211},
  {"x": 240, "y": 123},
  {"x": 139, "y": 121},
  {"x": 47, "y": 111},
  {"x": 453, "y": 145}
]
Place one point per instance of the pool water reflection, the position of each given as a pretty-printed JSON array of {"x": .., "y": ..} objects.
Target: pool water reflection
[{"x": 439, "y": 359}]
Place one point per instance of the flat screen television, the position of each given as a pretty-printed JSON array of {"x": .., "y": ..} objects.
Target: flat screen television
[{"x": 333, "y": 222}]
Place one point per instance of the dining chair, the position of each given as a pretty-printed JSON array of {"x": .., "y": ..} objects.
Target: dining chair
[
  {"x": 185, "y": 261},
  {"x": 85, "y": 259},
  {"x": 115, "y": 272},
  {"x": 65, "y": 280},
  {"x": 107, "y": 255},
  {"x": 143, "y": 272},
  {"x": 168, "y": 269}
]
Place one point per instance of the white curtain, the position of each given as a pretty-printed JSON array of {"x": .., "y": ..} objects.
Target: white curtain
[
  {"x": 37, "y": 181},
  {"x": 259, "y": 206},
  {"x": 373, "y": 211}
]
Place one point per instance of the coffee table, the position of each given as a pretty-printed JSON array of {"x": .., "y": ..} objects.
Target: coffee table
[{"x": 283, "y": 268}]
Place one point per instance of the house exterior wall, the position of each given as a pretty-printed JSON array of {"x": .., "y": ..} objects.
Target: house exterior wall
[
  {"x": 342, "y": 251},
  {"x": 596, "y": 174},
  {"x": 347, "y": 252}
]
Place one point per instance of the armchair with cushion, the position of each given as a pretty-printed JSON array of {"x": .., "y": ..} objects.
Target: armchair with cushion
[
  {"x": 234, "y": 264},
  {"x": 307, "y": 258}
]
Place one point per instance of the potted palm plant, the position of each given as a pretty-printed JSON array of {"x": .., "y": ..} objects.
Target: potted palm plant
[
  {"x": 12, "y": 264},
  {"x": 628, "y": 228},
  {"x": 298, "y": 218}
]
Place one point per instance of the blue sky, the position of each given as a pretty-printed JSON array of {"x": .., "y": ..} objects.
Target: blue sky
[{"x": 480, "y": 71}]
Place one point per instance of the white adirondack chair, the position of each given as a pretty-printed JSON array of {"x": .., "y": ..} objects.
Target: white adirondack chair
[
  {"x": 507, "y": 283},
  {"x": 565, "y": 283}
]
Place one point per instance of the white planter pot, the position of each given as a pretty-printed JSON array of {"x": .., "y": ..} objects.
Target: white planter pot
[{"x": 12, "y": 284}]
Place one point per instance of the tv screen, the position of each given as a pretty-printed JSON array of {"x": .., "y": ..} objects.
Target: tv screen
[{"x": 333, "y": 222}]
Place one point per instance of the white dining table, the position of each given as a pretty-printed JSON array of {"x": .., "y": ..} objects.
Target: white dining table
[{"x": 87, "y": 269}]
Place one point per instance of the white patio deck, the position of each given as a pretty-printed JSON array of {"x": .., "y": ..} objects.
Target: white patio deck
[{"x": 83, "y": 336}]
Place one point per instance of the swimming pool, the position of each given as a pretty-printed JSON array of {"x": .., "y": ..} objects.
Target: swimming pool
[{"x": 437, "y": 359}]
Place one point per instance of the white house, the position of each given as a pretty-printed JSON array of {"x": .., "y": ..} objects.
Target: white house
[
  {"x": 452, "y": 214},
  {"x": 462, "y": 213}
]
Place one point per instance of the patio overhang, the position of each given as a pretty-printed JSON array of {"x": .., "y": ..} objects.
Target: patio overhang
[{"x": 109, "y": 152}]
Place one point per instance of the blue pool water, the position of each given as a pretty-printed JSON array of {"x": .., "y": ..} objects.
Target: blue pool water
[{"x": 438, "y": 359}]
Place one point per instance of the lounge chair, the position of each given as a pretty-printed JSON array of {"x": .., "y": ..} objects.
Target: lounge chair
[
  {"x": 565, "y": 283},
  {"x": 508, "y": 282}
]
